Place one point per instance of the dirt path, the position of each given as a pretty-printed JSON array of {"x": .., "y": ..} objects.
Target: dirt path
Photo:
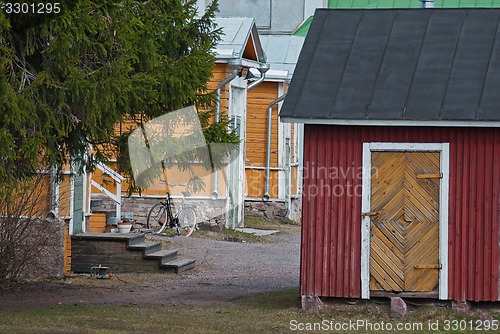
[{"x": 224, "y": 271}]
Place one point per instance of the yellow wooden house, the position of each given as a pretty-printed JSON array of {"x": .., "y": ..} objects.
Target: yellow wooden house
[
  {"x": 273, "y": 149},
  {"x": 266, "y": 170},
  {"x": 224, "y": 193}
]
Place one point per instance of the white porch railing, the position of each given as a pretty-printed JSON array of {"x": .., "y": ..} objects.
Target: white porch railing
[{"x": 117, "y": 198}]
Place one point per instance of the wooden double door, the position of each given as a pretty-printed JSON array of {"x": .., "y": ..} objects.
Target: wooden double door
[{"x": 404, "y": 235}]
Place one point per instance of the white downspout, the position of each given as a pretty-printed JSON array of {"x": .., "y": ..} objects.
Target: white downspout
[
  {"x": 262, "y": 69},
  {"x": 71, "y": 201},
  {"x": 235, "y": 64},
  {"x": 55, "y": 193},
  {"x": 84, "y": 199},
  {"x": 268, "y": 152}
]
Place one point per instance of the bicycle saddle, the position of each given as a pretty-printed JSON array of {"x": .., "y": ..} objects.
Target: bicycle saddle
[{"x": 186, "y": 193}]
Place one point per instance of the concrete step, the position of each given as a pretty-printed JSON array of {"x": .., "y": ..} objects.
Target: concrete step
[
  {"x": 137, "y": 239},
  {"x": 130, "y": 238},
  {"x": 147, "y": 247},
  {"x": 164, "y": 255},
  {"x": 179, "y": 265}
]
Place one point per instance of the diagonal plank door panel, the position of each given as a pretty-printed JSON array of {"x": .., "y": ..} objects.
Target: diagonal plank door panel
[
  {"x": 404, "y": 236},
  {"x": 387, "y": 196},
  {"x": 422, "y": 200}
]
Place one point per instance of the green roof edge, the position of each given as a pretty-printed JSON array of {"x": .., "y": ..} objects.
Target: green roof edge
[
  {"x": 304, "y": 27},
  {"x": 366, "y": 4}
]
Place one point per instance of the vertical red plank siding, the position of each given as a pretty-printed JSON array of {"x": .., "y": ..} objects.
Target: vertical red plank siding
[
  {"x": 331, "y": 221},
  {"x": 488, "y": 207},
  {"x": 479, "y": 261},
  {"x": 495, "y": 212}
]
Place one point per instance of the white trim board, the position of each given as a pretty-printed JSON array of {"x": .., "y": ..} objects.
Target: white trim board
[
  {"x": 283, "y": 133},
  {"x": 377, "y": 122},
  {"x": 444, "y": 150}
]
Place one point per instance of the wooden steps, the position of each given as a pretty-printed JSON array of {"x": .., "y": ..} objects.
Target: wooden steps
[{"x": 123, "y": 253}]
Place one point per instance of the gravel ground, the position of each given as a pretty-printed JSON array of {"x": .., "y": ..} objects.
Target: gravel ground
[{"x": 224, "y": 271}]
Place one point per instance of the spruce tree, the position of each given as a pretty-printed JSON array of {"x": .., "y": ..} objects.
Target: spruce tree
[{"x": 67, "y": 78}]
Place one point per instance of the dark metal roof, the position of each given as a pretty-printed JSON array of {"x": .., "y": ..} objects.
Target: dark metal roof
[{"x": 398, "y": 64}]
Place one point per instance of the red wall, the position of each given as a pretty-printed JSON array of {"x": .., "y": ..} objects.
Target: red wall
[{"x": 331, "y": 213}]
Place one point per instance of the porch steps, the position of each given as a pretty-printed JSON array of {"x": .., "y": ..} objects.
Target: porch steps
[
  {"x": 124, "y": 253},
  {"x": 179, "y": 265},
  {"x": 164, "y": 256},
  {"x": 146, "y": 247}
]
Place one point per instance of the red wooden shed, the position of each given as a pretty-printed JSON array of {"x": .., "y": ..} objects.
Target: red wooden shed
[{"x": 401, "y": 153}]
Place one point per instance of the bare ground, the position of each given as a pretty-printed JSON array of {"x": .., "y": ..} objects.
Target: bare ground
[{"x": 224, "y": 271}]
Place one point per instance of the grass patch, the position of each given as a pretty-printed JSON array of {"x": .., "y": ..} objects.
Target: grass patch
[
  {"x": 251, "y": 221},
  {"x": 262, "y": 223},
  {"x": 117, "y": 281},
  {"x": 232, "y": 235},
  {"x": 276, "y": 300},
  {"x": 275, "y": 312},
  {"x": 228, "y": 235}
]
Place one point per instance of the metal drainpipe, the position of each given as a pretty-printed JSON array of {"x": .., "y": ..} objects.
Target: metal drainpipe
[
  {"x": 235, "y": 64},
  {"x": 262, "y": 69},
  {"x": 269, "y": 133}
]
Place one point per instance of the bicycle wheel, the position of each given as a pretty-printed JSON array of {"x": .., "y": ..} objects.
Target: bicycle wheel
[
  {"x": 157, "y": 218},
  {"x": 187, "y": 222}
]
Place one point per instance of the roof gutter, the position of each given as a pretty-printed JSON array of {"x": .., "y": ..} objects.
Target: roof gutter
[
  {"x": 235, "y": 64},
  {"x": 264, "y": 67},
  {"x": 268, "y": 151}
]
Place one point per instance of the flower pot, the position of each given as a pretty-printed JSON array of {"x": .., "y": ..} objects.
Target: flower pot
[{"x": 124, "y": 227}]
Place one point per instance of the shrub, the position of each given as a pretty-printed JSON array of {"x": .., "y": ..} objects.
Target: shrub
[{"x": 31, "y": 241}]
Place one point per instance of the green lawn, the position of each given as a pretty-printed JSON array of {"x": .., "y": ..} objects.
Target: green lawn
[{"x": 276, "y": 312}]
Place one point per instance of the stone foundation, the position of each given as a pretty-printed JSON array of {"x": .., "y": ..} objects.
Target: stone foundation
[
  {"x": 207, "y": 210},
  {"x": 398, "y": 308},
  {"x": 296, "y": 214},
  {"x": 211, "y": 213},
  {"x": 274, "y": 209},
  {"x": 461, "y": 306},
  {"x": 313, "y": 303}
]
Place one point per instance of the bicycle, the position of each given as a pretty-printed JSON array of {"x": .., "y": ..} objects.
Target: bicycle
[{"x": 162, "y": 215}]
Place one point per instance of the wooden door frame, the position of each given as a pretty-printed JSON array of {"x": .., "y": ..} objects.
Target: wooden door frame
[{"x": 444, "y": 150}]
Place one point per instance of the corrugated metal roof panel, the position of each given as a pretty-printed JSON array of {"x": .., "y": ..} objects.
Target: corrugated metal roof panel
[
  {"x": 236, "y": 32},
  {"x": 409, "y": 64},
  {"x": 282, "y": 52}
]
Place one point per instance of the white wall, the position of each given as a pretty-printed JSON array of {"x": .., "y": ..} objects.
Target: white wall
[
  {"x": 311, "y": 5},
  {"x": 271, "y": 16}
]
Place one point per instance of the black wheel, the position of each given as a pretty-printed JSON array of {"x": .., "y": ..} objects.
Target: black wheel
[
  {"x": 157, "y": 218},
  {"x": 187, "y": 222}
]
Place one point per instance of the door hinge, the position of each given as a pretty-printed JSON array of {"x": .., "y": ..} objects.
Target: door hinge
[
  {"x": 428, "y": 266},
  {"x": 371, "y": 214},
  {"x": 430, "y": 176}
]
